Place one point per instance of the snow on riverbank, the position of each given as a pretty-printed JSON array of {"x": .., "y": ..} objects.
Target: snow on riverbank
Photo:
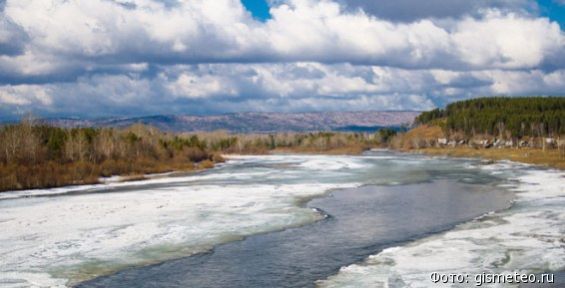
[
  {"x": 58, "y": 240},
  {"x": 57, "y": 237},
  {"x": 528, "y": 238}
]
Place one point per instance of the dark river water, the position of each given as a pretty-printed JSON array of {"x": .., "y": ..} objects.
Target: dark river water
[{"x": 359, "y": 222}]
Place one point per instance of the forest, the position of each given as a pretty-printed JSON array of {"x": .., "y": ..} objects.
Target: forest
[
  {"x": 501, "y": 116},
  {"x": 35, "y": 155}
]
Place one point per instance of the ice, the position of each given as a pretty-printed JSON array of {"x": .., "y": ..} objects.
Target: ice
[
  {"x": 526, "y": 238},
  {"x": 58, "y": 237},
  {"x": 58, "y": 241}
]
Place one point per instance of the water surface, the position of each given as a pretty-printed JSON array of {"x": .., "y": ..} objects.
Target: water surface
[
  {"x": 63, "y": 236},
  {"x": 360, "y": 222}
]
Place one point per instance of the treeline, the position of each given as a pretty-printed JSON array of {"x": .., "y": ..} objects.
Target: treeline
[
  {"x": 501, "y": 116},
  {"x": 315, "y": 142},
  {"x": 34, "y": 155}
]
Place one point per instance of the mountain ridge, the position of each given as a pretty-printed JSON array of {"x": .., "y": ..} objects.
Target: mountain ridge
[{"x": 259, "y": 122}]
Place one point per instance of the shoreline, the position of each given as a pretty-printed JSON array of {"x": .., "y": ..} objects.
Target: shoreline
[
  {"x": 518, "y": 231},
  {"x": 223, "y": 194},
  {"x": 125, "y": 178},
  {"x": 269, "y": 212},
  {"x": 135, "y": 177},
  {"x": 546, "y": 159},
  {"x": 538, "y": 157}
]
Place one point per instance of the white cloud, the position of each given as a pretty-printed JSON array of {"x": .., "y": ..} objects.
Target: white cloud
[
  {"x": 192, "y": 86},
  {"x": 21, "y": 95},
  {"x": 219, "y": 88},
  {"x": 149, "y": 56},
  {"x": 527, "y": 82},
  {"x": 74, "y": 33},
  {"x": 507, "y": 41}
]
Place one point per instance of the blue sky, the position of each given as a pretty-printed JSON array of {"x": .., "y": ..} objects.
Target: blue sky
[
  {"x": 259, "y": 8},
  {"x": 553, "y": 9},
  {"x": 101, "y": 58}
]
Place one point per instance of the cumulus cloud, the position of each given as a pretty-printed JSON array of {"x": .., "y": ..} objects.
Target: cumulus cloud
[
  {"x": 201, "y": 56},
  {"x": 191, "y": 86},
  {"x": 71, "y": 33},
  {"x": 24, "y": 95},
  {"x": 304, "y": 86}
]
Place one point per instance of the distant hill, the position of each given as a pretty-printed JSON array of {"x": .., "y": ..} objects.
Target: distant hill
[{"x": 365, "y": 121}]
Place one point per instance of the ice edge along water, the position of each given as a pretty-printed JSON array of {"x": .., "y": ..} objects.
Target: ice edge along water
[
  {"x": 529, "y": 237},
  {"x": 52, "y": 240},
  {"x": 57, "y": 241}
]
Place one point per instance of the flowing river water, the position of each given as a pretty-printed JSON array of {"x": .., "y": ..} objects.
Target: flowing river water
[{"x": 377, "y": 220}]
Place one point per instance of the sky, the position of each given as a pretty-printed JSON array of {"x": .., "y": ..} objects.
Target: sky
[{"x": 104, "y": 58}]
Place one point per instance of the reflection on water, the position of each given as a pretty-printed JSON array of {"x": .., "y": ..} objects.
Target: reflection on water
[{"x": 361, "y": 222}]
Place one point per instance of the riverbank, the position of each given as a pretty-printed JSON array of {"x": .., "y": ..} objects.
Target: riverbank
[
  {"x": 37, "y": 156},
  {"x": 108, "y": 228},
  {"x": 549, "y": 158},
  {"x": 54, "y": 175},
  {"x": 136, "y": 224},
  {"x": 525, "y": 238}
]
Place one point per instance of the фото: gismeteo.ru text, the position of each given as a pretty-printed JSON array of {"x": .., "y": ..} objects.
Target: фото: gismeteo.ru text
[{"x": 491, "y": 278}]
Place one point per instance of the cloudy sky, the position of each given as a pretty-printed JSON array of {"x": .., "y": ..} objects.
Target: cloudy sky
[{"x": 96, "y": 58}]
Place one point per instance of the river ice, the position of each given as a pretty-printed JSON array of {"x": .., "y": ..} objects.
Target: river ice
[
  {"x": 58, "y": 237},
  {"x": 527, "y": 238}
]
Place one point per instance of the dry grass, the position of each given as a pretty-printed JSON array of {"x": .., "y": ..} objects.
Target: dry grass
[
  {"x": 425, "y": 131},
  {"x": 422, "y": 140},
  {"x": 206, "y": 164},
  {"x": 421, "y": 136},
  {"x": 39, "y": 156},
  {"x": 550, "y": 158},
  {"x": 53, "y": 174}
]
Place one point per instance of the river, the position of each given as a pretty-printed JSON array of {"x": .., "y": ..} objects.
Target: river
[{"x": 288, "y": 221}]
